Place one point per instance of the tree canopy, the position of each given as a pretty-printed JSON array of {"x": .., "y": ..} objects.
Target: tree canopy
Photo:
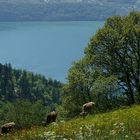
[
  {"x": 116, "y": 50},
  {"x": 110, "y": 69}
]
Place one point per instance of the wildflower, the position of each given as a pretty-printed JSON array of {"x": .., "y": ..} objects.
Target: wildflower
[
  {"x": 126, "y": 136},
  {"x": 113, "y": 132},
  {"x": 123, "y": 129},
  {"x": 115, "y": 124},
  {"x": 98, "y": 130},
  {"x": 121, "y": 124},
  {"x": 62, "y": 121}
]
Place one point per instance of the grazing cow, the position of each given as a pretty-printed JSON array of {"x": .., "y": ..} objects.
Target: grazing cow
[
  {"x": 51, "y": 117},
  {"x": 8, "y": 127},
  {"x": 87, "y": 108}
]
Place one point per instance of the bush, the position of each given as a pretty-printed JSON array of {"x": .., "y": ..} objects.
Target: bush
[{"x": 23, "y": 113}]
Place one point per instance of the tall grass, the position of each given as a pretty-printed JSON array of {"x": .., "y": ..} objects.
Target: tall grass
[{"x": 122, "y": 124}]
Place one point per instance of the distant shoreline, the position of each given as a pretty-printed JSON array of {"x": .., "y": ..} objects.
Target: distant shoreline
[
  {"x": 52, "y": 20},
  {"x": 15, "y": 11}
]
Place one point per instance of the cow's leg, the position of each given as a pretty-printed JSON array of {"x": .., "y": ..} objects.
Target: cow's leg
[
  {"x": 4, "y": 130},
  {"x": 54, "y": 118},
  {"x": 48, "y": 119}
]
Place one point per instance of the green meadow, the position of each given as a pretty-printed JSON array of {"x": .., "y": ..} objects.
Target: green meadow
[{"x": 120, "y": 124}]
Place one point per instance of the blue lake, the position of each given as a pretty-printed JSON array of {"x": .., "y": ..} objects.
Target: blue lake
[{"x": 47, "y": 48}]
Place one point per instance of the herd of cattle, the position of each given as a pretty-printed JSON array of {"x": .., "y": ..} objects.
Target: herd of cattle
[{"x": 51, "y": 117}]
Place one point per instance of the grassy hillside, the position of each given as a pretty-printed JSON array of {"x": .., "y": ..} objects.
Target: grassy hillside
[{"x": 117, "y": 125}]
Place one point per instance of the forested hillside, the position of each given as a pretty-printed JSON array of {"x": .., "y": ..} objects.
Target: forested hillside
[
  {"x": 20, "y": 84},
  {"x": 25, "y": 98}
]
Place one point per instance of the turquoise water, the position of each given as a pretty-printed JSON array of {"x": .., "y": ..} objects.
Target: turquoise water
[{"x": 48, "y": 48}]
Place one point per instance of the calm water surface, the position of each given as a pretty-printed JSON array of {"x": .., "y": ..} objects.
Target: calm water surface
[{"x": 48, "y": 48}]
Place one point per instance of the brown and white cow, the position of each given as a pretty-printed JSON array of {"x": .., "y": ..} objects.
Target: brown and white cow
[
  {"x": 8, "y": 127},
  {"x": 87, "y": 108},
  {"x": 51, "y": 117}
]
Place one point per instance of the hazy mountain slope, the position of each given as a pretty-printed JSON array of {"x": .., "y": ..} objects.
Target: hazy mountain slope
[{"x": 54, "y": 10}]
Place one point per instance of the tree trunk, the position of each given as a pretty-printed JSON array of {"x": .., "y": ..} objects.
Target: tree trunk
[
  {"x": 132, "y": 100},
  {"x": 138, "y": 93},
  {"x": 130, "y": 89}
]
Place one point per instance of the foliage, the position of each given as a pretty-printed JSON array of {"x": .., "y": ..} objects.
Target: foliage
[
  {"x": 109, "y": 73},
  {"x": 120, "y": 124},
  {"x": 23, "y": 113},
  {"x": 20, "y": 84},
  {"x": 115, "y": 49},
  {"x": 25, "y": 98},
  {"x": 106, "y": 94}
]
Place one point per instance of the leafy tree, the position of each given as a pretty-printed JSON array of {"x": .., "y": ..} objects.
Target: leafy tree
[
  {"x": 109, "y": 73},
  {"x": 115, "y": 49},
  {"x": 106, "y": 93},
  {"x": 79, "y": 89},
  {"x": 87, "y": 84}
]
